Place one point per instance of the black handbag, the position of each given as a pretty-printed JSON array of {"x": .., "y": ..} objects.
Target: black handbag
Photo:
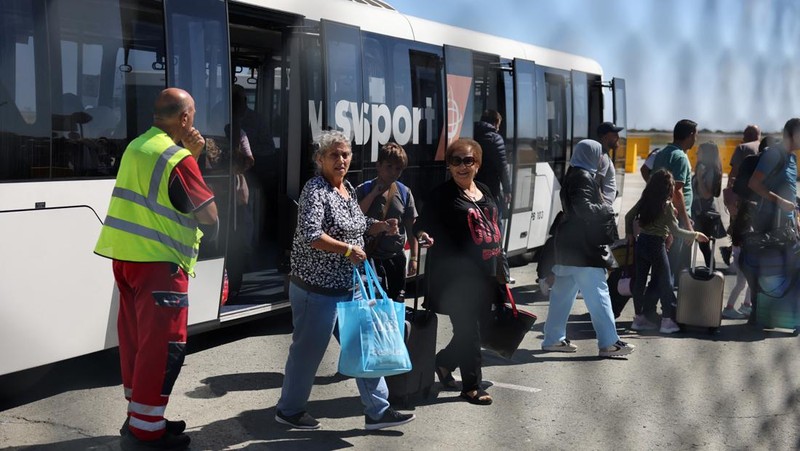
[
  {"x": 710, "y": 223},
  {"x": 505, "y": 328}
]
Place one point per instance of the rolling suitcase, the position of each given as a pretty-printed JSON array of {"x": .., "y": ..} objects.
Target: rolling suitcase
[
  {"x": 700, "y": 292},
  {"x": 421, "y": 327},
  {"x": 620, "y": 280}
]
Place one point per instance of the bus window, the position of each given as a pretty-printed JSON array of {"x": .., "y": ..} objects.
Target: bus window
[
  {"x": 22, "y": 89},
  {"x": 556, "y": 132},
  {"x": 427, "y": 94},
  {"x": 70, "y": 121},
  {"x": 487, "y": 90},
  {"x": 343, "y": 93}
]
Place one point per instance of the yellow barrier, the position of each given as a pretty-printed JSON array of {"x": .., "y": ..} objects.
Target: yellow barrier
[
  {"x": 725, "y": 153},
  {"x": 692, "y": 154},
  {"x": 733, "y": 141},
  {"x": 636, "y": 147}
]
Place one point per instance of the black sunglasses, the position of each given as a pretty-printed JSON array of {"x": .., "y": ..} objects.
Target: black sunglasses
[{"x": 457, "y": 161}]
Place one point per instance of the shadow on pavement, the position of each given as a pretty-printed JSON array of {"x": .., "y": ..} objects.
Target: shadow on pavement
[
  {"x": 218, "y": 386},
  {"x": 108, "y": 442},
  {"x": 100, "y": 369},
  {"x": 260, "y": 425}
]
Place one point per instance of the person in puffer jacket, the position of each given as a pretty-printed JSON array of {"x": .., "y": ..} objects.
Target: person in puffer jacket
[{"x": 581, "y": 264}]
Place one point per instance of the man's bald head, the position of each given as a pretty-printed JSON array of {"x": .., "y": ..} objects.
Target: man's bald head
[
  {"x": 751, "y": 133},
  {"x": 170, "y": 103},
  {"x": 174, "y": 113}
]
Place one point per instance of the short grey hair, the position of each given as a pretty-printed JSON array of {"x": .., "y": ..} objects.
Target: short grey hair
[{"x": 327, "y": 141}]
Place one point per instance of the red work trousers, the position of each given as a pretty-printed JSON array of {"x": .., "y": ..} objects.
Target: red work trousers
[{"x": 153, "y": 311}]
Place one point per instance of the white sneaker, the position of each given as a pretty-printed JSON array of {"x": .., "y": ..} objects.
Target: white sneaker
[
  {"x": 640, "y": 322},
  {"x": 669, "y": 326},
  {"x": 731, "y": 313},
  {"x": 618, "y": 349}
]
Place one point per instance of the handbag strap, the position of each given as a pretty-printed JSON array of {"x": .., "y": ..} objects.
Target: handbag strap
[
  {"x": 511, "y": 300},
  {"x": 389, "y": 195}
]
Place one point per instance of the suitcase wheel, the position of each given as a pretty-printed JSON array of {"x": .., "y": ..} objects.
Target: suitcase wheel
[{"x": 713, "y": 330}]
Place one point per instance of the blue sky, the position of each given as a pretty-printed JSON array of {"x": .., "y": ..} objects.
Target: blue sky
[{"x": 723, "y": 63}]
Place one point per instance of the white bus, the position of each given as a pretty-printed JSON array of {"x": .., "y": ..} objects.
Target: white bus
[{"x": 78, "y": 79}]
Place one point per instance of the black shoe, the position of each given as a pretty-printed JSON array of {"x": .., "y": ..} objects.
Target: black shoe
[
  {"x": 166, "y": 441},
  {"x": 389, "y": 419},
  {"x": 301, "y": 420},
  {"x": 173, "y": 427}
]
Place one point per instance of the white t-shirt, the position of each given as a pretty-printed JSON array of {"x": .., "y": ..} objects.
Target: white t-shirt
[
  {"x": 651, "y": 158},
  {"x": 606, "y": 177}
]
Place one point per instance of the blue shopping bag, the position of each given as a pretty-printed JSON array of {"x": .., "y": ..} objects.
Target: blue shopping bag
[{"x": 371, "y": 331}]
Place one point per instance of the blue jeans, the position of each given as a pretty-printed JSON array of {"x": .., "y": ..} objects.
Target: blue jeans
[
  {"x": 651, "y": 257},
  {"x": 314, "y": 319},
  {"x": 592, "y": 283}
]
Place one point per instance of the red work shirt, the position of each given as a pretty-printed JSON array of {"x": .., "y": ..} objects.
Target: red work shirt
[{"x": 188, "y": 191}]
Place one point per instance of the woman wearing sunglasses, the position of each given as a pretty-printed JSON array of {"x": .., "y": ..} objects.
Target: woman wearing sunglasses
[{"x": 462, "y": 266}]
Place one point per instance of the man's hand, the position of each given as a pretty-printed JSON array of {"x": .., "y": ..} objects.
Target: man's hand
[
  {"x": 195, "y": 142},
  {"x": 507, "y": 198}
]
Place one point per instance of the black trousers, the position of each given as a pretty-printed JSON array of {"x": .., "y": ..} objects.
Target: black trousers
[{"x": 464, "y": 350}]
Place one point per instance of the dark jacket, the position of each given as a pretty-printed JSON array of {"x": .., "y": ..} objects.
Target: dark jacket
[
  {"x": 494, "y": 167},
  {"x": 583, "y": 206},
  {"x": 456, "y": 275}
]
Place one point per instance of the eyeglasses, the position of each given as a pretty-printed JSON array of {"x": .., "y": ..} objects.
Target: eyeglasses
[{"x": 466, "y": 161}]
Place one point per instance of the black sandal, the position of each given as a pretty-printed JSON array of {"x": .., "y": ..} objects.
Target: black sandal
[
  {"x": 480, "y": 397},
  {"x": 446, "y": 378}
]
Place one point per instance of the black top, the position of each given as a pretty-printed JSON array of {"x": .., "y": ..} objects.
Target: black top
[
  {"x": 462, "y": 263},
  {"x": 494, "y": 167},
  {"x": 581, "y": 193}
]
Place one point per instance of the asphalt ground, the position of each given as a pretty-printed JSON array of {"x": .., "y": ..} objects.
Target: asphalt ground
[{"x": 737, "y": 389}]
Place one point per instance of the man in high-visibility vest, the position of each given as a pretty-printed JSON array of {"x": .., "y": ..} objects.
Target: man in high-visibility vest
[{"x": 152, "y": 233}]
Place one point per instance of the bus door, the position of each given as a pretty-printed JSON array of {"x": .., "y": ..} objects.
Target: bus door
[
  {"x": 621, "y": 120},
  {"x": 525, "y": 157},
  {"x": 553, "y": 144},
  {"x": 197, "y": 60},
  {"x": 257, "y": 159}
]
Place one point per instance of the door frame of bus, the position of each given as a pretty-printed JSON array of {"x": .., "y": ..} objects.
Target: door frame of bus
[{"x": 524, "y": 129}]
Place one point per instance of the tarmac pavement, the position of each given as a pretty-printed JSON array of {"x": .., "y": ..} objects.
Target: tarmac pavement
[{"x": 737, "y": 389}]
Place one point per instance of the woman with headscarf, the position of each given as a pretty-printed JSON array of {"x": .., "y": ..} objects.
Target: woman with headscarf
[{"x": 580, "y": 263}]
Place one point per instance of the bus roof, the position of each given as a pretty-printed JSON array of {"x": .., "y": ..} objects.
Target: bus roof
[{"x": 385, "y": 20}]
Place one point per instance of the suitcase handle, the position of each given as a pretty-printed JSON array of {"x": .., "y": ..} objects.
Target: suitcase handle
[{"x": 695, "y": 246}]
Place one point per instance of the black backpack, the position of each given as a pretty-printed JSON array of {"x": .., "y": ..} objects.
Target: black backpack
[{"x": 746, "y": 170}]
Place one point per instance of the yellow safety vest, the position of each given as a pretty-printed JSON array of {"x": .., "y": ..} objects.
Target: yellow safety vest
[{"x": 142, "y": 225}]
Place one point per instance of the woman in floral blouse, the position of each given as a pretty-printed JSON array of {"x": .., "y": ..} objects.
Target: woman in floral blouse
[{"x": 328, "y": 241}]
